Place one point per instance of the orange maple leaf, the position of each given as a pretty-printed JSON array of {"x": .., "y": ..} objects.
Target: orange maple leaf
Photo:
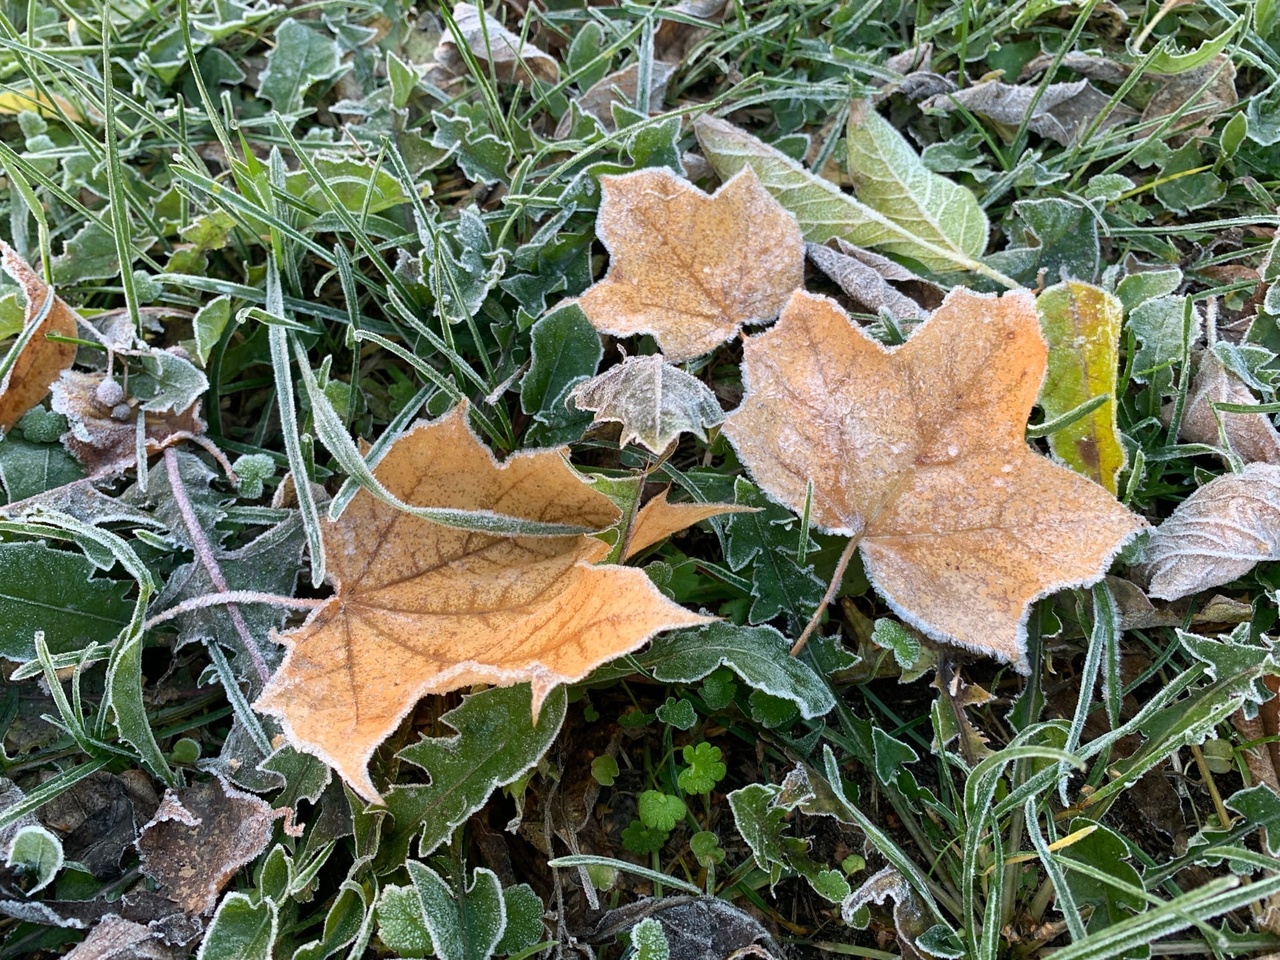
[
  {"x": 422, "y": 608},
  {"x": 918, "y": 453},
  {"x": 689, "y": 268},
  {"x": 41, "y": 360}
]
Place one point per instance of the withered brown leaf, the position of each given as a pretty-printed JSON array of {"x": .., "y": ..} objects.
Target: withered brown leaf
[
  {"x": 919, "y": 451},
  {"x": 104, "y": 423},
  {"x": 421, "y": 608},
  {"x": 659, "y": 519},
  {"x": 1251, "y": 436},
  {"x": 199, "y": 837},
  {"x": 689, "y": 268},
  {"x": 41, "y": 360}
]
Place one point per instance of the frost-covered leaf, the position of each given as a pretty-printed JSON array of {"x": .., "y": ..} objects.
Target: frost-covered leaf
[
  {"x": 466, "y": 928},
  {"x": 1053, "y": 239},
  {"x": 566, "y": 350},
  {"x": 459, "y": 607},
  {"x": 55, "y": 591},
  {"x": 660, "y": 811},
  {"x": 619, "y": 87},
  {"x": 302, "y": 57},
  {"x": 659, "y": 519},
  {"x": 37, "y": 853},
  {"x": 889, "y": 176},
  {"x": 689, "y": 268},
  {"x": 1081, "y": 323},
  {"x": 762, "y": 823},
  {"x": 824, "y": 212},
  {"x": 767, "y": 541},
  {"x": 208, "y": 325},
  {"x": 1250, "y": 436},
  {"x": 497, "y": 48},
  {"x": 919, "y": 452},
  {"x": 38, "y": 362},
  {"x": 104, "y": 422},
  {"x": 1217, "y": 534},
  {"x": 1060, "y": 112},
  {"x": 460, "y": 265},
  {"x": 169, "y": 383},
  {"x": 30, "y": 469},
  {"x": 1165, "y": 327},
  {"x": 759, "y": 655},
  {"x": 865, "y": 277},
  {"x": 241, "y": 930},
  {"x": 199, "y": 838},
  {"x": 495, "y": 743},
  {"x": 654, "y": 401}
]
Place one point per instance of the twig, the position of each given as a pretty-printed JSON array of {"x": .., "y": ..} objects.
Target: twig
[{"x": 837, "y": 578}]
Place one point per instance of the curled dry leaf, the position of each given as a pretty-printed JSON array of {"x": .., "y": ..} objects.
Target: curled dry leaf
[
  {"x": 619, "y": 87},
  {"x": 104, "y": 424},
  {"x": 689, "y": 268},
  {"x": 199, "y": 837},
  {"x": 1199, "y": 96},
  {"x": 511, "y": 58},
  {"x": 1062, "y": 113},
  {"x": 1251, "y": 436},
  {"x": 654, "y": 401},
  {"x": 1217, "y": 534},
  {"x": 919, "y": 451},
  {"x": 865, "y": 277},
  {"x": 659, "y": 519},
  {"x": 675, "y": 39},
  {"x": 41, "y": 360},
  {"x": 420, "y": 608}
]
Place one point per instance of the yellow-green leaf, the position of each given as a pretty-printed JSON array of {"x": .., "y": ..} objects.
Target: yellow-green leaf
[{"x": 1081, "y": 323}]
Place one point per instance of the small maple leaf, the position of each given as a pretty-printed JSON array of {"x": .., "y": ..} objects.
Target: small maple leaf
[
  {"x": 689, "y": 268},
  {"x": 41, "y": 359},
  {"x": 654, "y": 401},
  {"x": 422, "y": 608},
  {"x": 919, "y": 453}
]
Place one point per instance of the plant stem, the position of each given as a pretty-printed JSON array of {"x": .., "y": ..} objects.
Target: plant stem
[
  {"x": 837, "y": 578},
  {"x": 204, "y": 553}
]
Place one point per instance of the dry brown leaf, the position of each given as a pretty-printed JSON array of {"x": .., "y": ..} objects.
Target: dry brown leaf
[
  {"x": 1062, "y": 112},
  {"x": 619, "y": 87},
  {"x": 199, "y": 837},
  {"x": 865, "y": 277},
  {"x": 1251, "y": 436},
  {"x": 1217, "y": 534},
  {"x": 420, "y": 608},
  {"x": 659, "y": 519},
  {"x": 675, "y": 39},
  {"x": 691, "y": 268},
  {"x": 104, "y": 425},
  {"x": 495, "y": 46},
  {"x": 654, "y": 401},
  {"x": 1176, "y": 91},
  {"x": 41, "y": 360},
  {"x": 920, "y": 452}
]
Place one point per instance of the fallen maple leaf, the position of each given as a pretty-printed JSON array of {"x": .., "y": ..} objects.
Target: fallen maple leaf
[
  {"x": 919, "y": 454},
  {"x": 40, "y": 361},
  {"x": 659, "y": 519},
  {"x": 421, "y": 608},
  {"x": 689, "y": 268},
  {"x": 654, "y": 401}
]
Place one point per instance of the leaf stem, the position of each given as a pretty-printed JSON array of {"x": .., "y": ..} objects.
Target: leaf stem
[
  {"x": 204, "y": 553},
  {"x": 837, "y": 578}
]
